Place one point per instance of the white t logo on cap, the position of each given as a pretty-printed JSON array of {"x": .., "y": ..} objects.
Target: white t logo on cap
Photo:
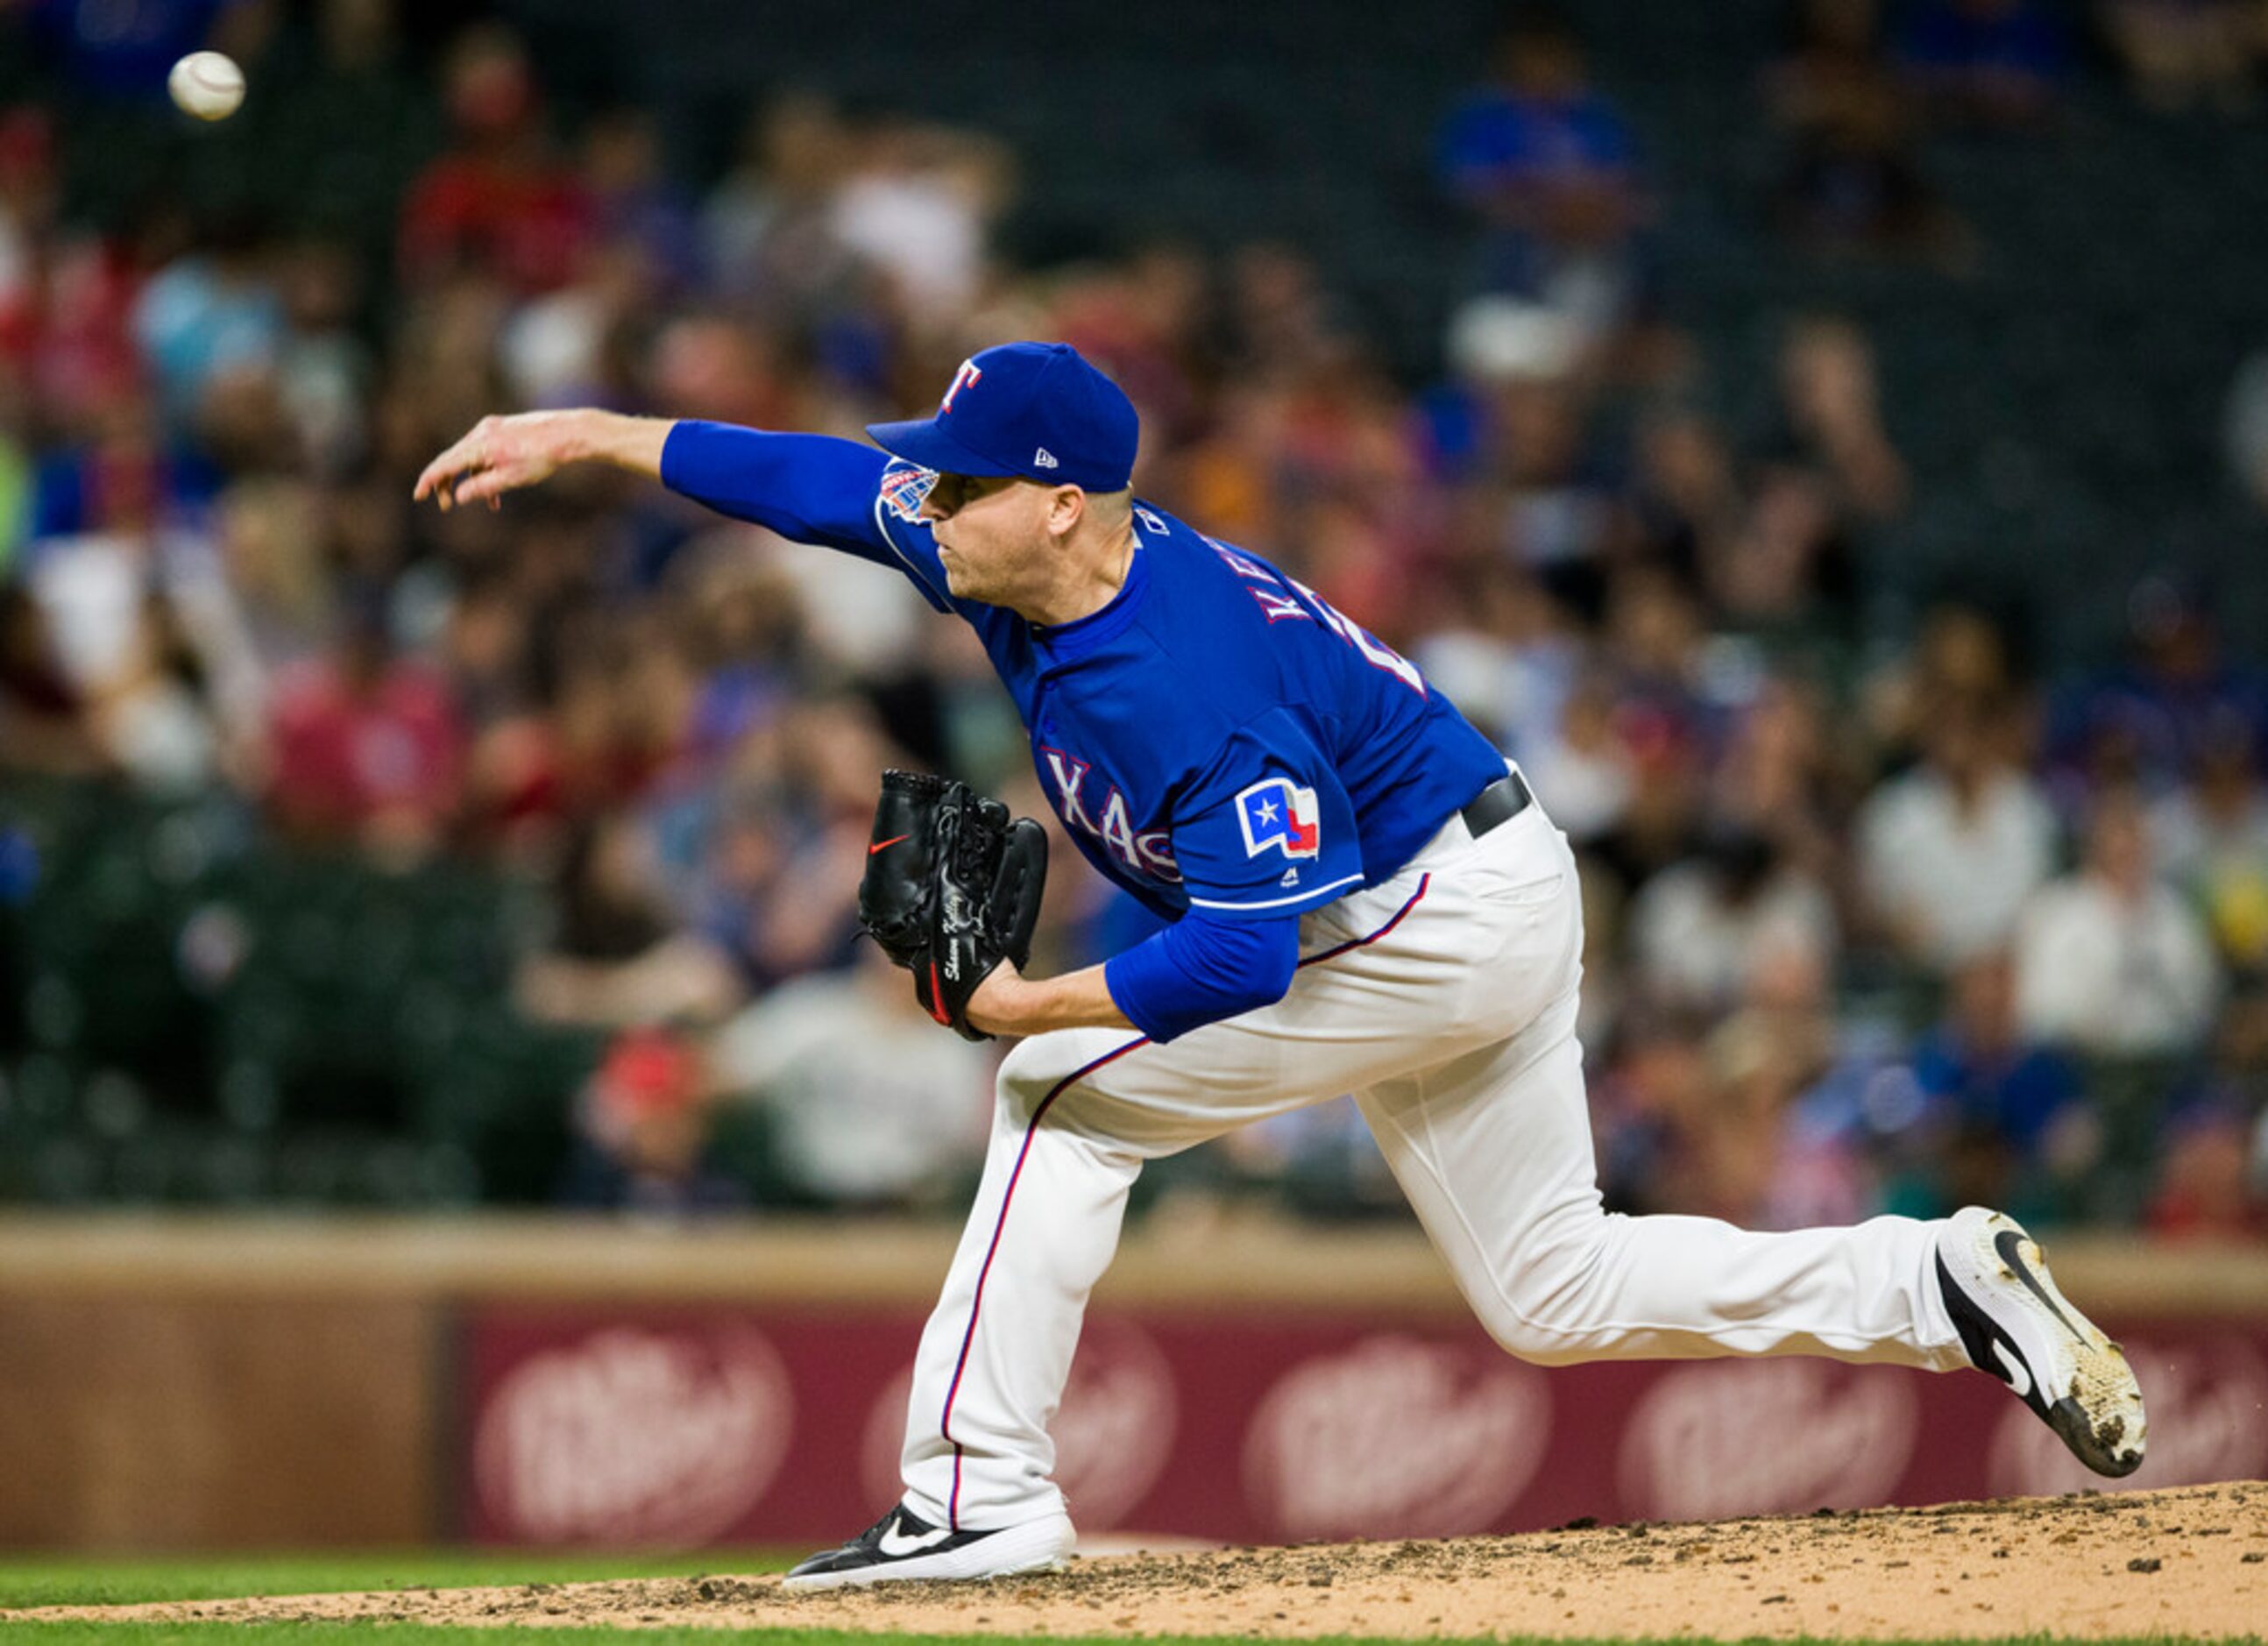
[{"x": 968, "y": 373}]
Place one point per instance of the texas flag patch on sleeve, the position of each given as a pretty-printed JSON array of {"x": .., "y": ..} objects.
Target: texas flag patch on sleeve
[{"x": 1277, "y": 812}]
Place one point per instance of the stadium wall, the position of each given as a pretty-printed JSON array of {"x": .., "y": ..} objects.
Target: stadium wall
[{"x": 217, "y": 1384}]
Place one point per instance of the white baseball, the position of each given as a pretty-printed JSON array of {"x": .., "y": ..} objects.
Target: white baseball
[{"x": 207, "y": 84}]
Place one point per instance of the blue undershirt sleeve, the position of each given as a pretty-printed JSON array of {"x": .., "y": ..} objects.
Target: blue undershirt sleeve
[
  {"x": 809, "y": 487},
  {"x": 1201, "y": 971}
]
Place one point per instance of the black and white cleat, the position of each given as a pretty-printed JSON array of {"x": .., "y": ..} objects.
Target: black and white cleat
[{"x": 2015, "y": 1324}]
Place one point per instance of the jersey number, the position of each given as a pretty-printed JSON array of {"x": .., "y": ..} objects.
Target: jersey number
[{"x": 1375, "y": 651}]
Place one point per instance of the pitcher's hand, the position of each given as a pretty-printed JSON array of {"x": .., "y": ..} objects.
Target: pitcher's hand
[{"x": 502, "y": 454}]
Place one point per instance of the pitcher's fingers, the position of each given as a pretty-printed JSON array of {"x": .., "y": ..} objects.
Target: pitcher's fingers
[
  {"x": 487, "y": 485},
  {"x": 439, "y": 473}
]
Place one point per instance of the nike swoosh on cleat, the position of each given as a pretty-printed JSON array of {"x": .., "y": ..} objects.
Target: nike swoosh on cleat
[
  {"x": 895, "y": 1543},
  {"x": 882, "y": 845},
  {"x": 2020, "y": 1375},
  {"x": 2006, "y": 1242}
]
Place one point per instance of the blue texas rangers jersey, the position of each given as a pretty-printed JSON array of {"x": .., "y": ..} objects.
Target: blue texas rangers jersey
[{"x": 1217, "y": 737}]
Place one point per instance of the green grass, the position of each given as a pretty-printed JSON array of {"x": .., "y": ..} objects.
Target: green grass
[
  {"x": 81, "y": 1582},
  {"x": 39, "y": 1582}
]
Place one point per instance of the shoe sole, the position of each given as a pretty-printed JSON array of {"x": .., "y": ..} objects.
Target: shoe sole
[
  {"x": 1037, "y": 1546},
  {"x": 2087, "y": 1392}
]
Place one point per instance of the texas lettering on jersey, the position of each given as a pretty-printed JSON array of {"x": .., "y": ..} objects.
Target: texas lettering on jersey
[{"x": 1108, "y": 819}]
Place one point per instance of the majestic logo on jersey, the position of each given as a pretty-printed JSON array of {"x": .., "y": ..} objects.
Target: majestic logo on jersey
[
  {"x": 1108, "y": 819},
  {"x": 1276, "y": 812},
  {"x": 967, "y": 375},
  {"x": 904, "y": 490}
]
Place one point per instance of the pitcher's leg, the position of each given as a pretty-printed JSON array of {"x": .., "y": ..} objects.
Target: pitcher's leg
[
  {"x": 997, "y": 1348},
  {"x": 1494, "y": 1151},
  {"x": 1386, "y": 984}
]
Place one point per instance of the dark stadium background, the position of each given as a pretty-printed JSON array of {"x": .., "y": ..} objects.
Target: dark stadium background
[{"x": 1825, "y": 412}]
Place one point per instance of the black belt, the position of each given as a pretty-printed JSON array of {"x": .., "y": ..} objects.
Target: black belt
[{"x": 1501, "y": 801}]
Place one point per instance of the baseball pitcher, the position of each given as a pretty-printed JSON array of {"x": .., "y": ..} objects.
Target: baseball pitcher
[{"x": 1364, "y": 897}]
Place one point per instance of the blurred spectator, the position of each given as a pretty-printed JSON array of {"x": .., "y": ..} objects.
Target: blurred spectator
[
  {"x": 29, "y": 198},
  {"x": 618, "y": 958},
  {"x": 43, "y": 724},
  {"x": 1506, "y": 656},
  {"x": 1536, "y": 126},
  {"x": 2180, "y": 53},
  {"x": 1582, "y": 764},
  {"x": 366, "y": 747},
  {"x": 1828, "y": 419},
  {"x": 1551, "y": 497},
  {"x": 643, "y": 1122},
  {"x": 1777, "y": 774},
  {"x": 1703, "y": 932},
  {"x": 919, "y": 204},
  {"x": 124, "y": 47},
  {"x": 2207, "y": 1189},
  {"x": 1949, "y": 854},
  {"x": 634, "y": 202},
  {"x": 1716, "y": 1123},
  {"x": 784, "y": 843},
  {"x": 1987, "y": 63},
  {"x": 2014, "y": 1104},
  {"x": 1850, "y": 179},
  {"x": 499, "y": 202},
  {"x": 1787, "y": 572},
  {"x": 2110, "y": 961},
  {"x": 1548, "y": 167},
  {"x": 1763, "y": 1157},
  {"x": 1649, "y": 1103},
  {"x": 1960, "y": 662},
  {"x": 323, "y": 370},
  {"x": 283, "y": 610},
  {"x": 2147, "y": 722},
  {"x": 214, "y": 312},
  {"x": 769, "y": 229},
  {"x": 2210, "y": 839},
  {"x": 870, "y": 1106},
  {"x": 154, "y": 717}
]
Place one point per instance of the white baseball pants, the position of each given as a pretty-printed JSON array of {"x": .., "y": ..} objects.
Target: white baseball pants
[{"x": 1445, "y": 1000}]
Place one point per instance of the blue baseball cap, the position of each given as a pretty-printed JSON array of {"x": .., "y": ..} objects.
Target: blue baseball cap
[{"x": 1036, "y": 410}]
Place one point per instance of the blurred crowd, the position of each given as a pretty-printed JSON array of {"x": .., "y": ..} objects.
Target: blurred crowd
[{"x": 1875, "y": 921}]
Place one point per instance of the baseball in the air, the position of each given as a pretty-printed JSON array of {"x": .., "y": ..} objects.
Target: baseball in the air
[{"x": 207, "y": 84}]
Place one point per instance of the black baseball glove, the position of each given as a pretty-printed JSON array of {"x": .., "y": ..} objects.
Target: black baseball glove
[{"x": 951, "y": 888}]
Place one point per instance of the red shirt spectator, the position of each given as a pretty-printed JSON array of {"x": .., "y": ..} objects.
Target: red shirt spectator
[
  {"x": 499, "y": 202},
  {"x": 366, "y": 746}
]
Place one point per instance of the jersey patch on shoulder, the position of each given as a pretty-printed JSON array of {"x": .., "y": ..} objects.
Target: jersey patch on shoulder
[
  {"x": 1276, "y": 812},
  {"x": 904, "y": 490}
]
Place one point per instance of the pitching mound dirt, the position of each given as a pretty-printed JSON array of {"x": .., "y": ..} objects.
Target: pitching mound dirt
[{"x": 2192, "y": 1561}]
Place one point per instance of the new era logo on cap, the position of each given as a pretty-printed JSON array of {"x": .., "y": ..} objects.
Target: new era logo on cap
[{"x": 1037, "y": 410}]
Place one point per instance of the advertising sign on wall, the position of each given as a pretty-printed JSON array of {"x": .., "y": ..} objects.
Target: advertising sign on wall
[{"x": 629, "y": 1427}]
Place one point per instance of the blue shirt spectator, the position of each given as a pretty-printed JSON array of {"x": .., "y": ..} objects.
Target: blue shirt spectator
[
  {"x": 1994, "y": 61},
  {"x": 1538, "y": 128}
]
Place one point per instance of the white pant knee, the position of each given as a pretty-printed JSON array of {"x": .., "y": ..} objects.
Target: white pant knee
[{"x": 1542, "y": 1304}]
